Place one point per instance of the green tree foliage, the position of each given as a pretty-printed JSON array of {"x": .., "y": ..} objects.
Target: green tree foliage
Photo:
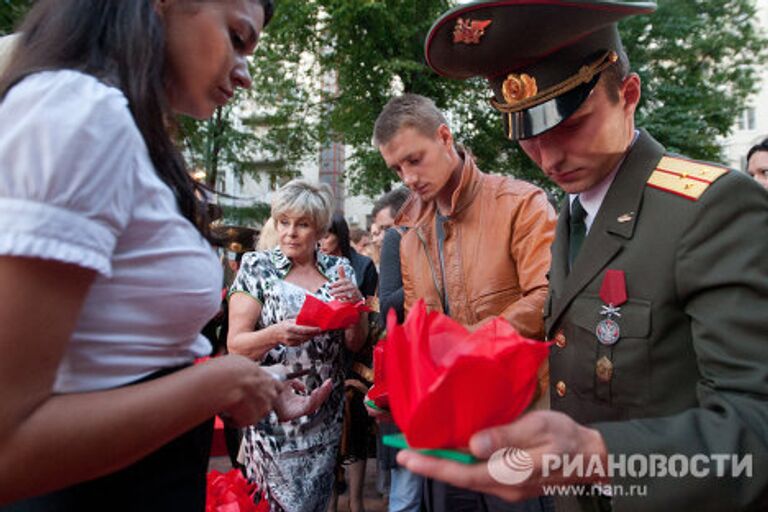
[
  {"x": 325, "y": 68},
  {"x": 11, "y": 12},
  {"x": 697, "y": 59}
]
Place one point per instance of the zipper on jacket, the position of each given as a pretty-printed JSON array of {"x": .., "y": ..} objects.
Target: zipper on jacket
[{"x": 431, "y": 267}]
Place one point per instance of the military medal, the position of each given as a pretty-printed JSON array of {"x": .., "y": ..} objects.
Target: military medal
[
  {"x": 608, "y": 331},
  {"x": 613, "y": 293}
]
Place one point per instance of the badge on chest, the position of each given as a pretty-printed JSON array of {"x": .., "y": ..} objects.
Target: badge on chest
[{"x": 613, "y": 293}]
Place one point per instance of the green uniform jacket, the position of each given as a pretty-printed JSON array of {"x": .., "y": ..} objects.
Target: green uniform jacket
[{"x": 690, "y": 370}]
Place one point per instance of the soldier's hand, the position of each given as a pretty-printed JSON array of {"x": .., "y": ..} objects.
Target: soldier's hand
[
  {"x": 379, "y": 414},
  {"x": 537, "y": 434}
]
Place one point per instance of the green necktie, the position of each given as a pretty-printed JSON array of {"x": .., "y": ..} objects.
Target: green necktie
[{"x": 578, "y": 230}]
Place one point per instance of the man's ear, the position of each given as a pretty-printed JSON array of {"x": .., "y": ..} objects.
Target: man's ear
[
  {"x": 445, "y": 136},
  {"x": 630, "y": 92}
]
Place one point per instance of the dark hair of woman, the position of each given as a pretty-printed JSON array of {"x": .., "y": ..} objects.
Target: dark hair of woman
[
  {"x": 340, "y": 228},
  {"x": 122, "y": 43}
]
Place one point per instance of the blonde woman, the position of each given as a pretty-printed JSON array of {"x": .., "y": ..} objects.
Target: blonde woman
[{"x": 293, "y": 462}]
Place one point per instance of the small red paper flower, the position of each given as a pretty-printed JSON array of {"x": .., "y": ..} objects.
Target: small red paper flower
[
  {"x": 445, "y": 383},
  {"x": 231, "y": 492},
  {"x": 378, "y": 392},
  {"x": 331, "y": 315}
]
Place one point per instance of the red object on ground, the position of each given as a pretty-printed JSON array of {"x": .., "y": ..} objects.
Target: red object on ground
[
  {"x": 231, "y": 492},
  {"x": 445, "y": 383},
  {"x": 331, "y": 315},
  {"x": 218, "y": 444}
]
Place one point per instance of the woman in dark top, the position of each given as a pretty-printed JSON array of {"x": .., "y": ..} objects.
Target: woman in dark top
[
  {"x": 405, "y": 487},
  {"x": 391, "y": 286},
  {"x": 358, "y": 431}
]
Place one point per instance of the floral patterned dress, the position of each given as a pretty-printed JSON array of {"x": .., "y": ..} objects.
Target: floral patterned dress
[{"x": 292, "y": 462}]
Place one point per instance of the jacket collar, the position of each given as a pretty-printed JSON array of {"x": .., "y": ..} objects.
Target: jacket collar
[
  {"x": 323, "y": 262},
  {"x": 416, "y": 212}
]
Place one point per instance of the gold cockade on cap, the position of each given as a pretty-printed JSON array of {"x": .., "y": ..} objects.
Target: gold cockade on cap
[
  {"x": 518, "y": 88},
  {"x": 517, "y": 96}
]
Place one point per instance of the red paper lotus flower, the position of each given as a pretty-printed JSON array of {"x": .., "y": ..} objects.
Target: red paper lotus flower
[
  {"x": 445, "y": 383},
  {"x": 378, "y": 392},
  {"x": 329, "y": 315}
]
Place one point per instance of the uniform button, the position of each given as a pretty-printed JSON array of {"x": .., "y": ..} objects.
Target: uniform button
[
  {"x": 560, "y": 388},
  {"x": 560, "y": 340}
]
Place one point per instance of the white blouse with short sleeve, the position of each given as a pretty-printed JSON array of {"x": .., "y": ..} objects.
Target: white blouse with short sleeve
[{"x": 77, "y": 186}]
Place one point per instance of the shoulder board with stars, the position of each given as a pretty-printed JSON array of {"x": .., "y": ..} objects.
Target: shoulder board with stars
[{"x": 686, "y": 178}]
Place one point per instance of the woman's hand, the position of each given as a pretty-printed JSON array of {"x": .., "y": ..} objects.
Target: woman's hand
[
  {"x": 345, "y": 290},
  {"x": 290, "y": 405},
  {"x": 254, "y": 390},
  {"x": 289, "y": 333}
]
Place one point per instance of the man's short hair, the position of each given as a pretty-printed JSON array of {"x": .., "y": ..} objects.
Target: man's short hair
[
  {"x": 762, "y": 146},
  {"x": 357, "y": 234},
  {"x": 394, "y": 199},
  {"x": 613, "y": 77},
  {"x": 407, "y": 111}
]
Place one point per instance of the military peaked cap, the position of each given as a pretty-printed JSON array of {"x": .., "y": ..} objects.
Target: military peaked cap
[{"x": 542, "y": 58}]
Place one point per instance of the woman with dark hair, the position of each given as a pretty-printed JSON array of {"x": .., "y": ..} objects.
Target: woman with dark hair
[
  {"x": 337, "y": 243},
  {"x": 107, "y": 276}
]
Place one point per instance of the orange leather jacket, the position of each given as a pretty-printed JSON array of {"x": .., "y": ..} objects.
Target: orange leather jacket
[{"x": 496, "y": 251}]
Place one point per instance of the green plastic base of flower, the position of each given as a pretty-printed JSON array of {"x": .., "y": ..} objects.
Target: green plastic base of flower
[
  {"x": 398, "y": 441},
  {"x": 372, "y": 405}
]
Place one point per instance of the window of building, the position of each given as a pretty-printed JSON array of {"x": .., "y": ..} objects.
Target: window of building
[{"x": 746, "y": 120}]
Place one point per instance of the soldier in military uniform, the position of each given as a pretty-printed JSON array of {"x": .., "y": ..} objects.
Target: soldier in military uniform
[{"x": 659, "y": 280}]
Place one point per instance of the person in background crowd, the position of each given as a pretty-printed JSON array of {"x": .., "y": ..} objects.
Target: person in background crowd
[
  {"x": 107, "y": 276},
  {"x": 658, "y": 286},
  {"x": 268, "y": 236},
  {"x": 374, "y": 250},
  {"x": 384, "y": 211},
  {"x": 357, "y": 434},
  {"x": 391, "y": 283},
  {"x": 757, "y": 163},
  {"x": 337, "y": 243},
  {"x": 292, "y": 463},
  {"x": 405, "y": 490},
  {"x": 360, "y": 240},
  {"x": 234, "y": 241},
  {"x": 475, "y": 245}
]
